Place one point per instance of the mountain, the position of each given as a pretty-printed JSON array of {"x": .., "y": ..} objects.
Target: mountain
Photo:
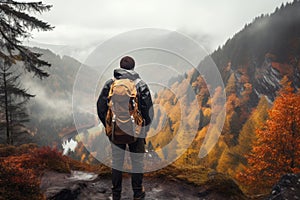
[
  {"x": 252, "y": 65},
  {"x": 267, "y": 49},
  {"x": 54, "y": 93},
  {"x": 51, "y": 108},
  {"x": 80, "y": 51}
]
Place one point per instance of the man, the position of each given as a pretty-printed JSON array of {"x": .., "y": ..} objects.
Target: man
[{"x": 126, "y": 71}]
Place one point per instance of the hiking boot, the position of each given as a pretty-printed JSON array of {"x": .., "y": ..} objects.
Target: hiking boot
[
  {"x": 139, "y": 198},
  {"x": 139, "y": 195},
  {"x": 116, "y": 196}
]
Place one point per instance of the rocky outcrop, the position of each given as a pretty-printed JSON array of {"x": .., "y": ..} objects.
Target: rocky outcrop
[
  {"x": 287, "y": 188},
  {"x": 77, "y": 185},
  {"x": 84, "y": 185}
]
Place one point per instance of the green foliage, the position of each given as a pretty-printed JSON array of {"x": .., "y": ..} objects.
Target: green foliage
[
  {"x": 233, "y": 159},
  {"x": 247, "y": 134}
]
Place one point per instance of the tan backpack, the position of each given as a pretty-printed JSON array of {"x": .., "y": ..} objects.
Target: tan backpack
[{"x": 123, "y": 119}]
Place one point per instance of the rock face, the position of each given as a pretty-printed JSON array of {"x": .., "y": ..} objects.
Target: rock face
[
  {"x": 287, "y": 188},
  {"x": 78, "y": 185}
]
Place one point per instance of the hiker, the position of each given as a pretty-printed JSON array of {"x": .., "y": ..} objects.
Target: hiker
[{"x": 127, "y": 131}]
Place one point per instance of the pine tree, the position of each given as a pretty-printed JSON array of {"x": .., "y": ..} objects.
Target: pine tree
[
  {"x": 15, "y": 26},
  {"x": 247, "y": 135},
  {"x": 231, "y": 85},
  {"x": 233, "y": 160},
  {"x": 12, "y": 101}
]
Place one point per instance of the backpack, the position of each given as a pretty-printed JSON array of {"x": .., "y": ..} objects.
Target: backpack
[{"x": 123, "y": 119}]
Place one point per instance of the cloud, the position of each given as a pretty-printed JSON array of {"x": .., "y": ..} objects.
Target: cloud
[
  {"x": 91, "y": 22},
  {"x": 49, "y": 106}
]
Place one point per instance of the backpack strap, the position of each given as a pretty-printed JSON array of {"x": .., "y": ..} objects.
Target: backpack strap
[{"x": 136, "y": 81}]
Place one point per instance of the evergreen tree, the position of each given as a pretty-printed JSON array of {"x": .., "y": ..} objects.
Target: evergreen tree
[
  {"x": 15, "y": 26},
  {"x": 13, "y": 99},
  {"x": 247, "y": 135},
  {"x": 231, "y": 85},
  {"x": 233, "y": 159}
]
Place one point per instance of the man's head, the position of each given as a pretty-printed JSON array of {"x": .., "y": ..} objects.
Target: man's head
[{"x": 127, "y": 63}]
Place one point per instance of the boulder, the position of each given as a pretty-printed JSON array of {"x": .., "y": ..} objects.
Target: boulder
[{"x": 287, "y": 188}]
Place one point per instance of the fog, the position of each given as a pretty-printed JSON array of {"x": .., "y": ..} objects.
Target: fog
[{"x": 79, "y": 28}]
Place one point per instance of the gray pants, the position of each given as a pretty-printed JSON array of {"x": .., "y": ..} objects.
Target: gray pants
[{"x": 118, "y": 154}]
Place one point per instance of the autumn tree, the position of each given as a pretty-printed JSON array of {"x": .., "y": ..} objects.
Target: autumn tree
[
  {"x": 232, "y": 122},
  {"x": 231, "y": 85},
  {"x": 233, "y": 159},
  {"x": 247, "y": 136},
  {"x": 277, "y": 150}
]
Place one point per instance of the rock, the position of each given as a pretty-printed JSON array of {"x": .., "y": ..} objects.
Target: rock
[
  {"x": 288, "y": 187},
  {"x": 67, "y": 193},
  {"x": 203, "y": 193},
  {"x": 60, "y": 186},
  {"x": 79, "y": 185},
  {"x": 102, "y": 190}
]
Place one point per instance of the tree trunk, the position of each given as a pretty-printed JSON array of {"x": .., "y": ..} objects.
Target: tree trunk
[{"x": 8, "y": 140}]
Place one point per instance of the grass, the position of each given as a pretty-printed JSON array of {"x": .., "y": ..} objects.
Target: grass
[
  {"x": 208, "y": 179},
  {"x": 195, "y": 175}
]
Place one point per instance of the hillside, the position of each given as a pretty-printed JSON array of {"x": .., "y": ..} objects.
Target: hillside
[
  {"x": 264, "y": 51},
  {"x": 252, "y": 64},
  {"x": 51, "y": 109}
]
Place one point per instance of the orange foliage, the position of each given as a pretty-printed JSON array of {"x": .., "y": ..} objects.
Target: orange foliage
[
  {"x": 20, "y": 172},
  {"x": 231, "y": 103},
  {"x": 17, "y": 182},
  {"x": 277, "y": 150}
]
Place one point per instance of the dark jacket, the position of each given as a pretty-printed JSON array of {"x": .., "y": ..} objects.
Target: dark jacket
[{"x": 143, "y": 92}]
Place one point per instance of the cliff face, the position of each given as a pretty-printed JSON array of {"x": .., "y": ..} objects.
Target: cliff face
[{"x": 267, "y": 49}]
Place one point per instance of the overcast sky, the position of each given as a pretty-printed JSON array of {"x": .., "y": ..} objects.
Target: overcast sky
[{"x": 85, "y": 24}]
